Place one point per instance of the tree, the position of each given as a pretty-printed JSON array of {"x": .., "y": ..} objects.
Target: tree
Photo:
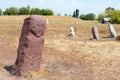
[
  {"x": 0, "y": 12},
  {"x": 83, "y": 16},
  {"x": 11, "y": 11},
  {"x": 109, "y": 8},
  {"x": 36, "y": 11},
  {"x": 100, "y": 16},
  {"x": 58, "y": 14},
  {"x": 109, "y": 11},
  {"x": 89, "y": 16},
  {"x": 24, "y": 11},
  {"x": 46, "y": 12},
  {"x": 115, "y": 16},
  {"x": 76, "y": 13},
  {"x": 65, "y": 14},
  {"x": 28, "y": 7}
]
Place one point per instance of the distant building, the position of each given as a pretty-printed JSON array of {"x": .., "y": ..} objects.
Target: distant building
[{"x": 104, "y": 20}]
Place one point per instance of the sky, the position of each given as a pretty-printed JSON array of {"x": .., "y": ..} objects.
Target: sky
[{"x": 64, "y": 6}]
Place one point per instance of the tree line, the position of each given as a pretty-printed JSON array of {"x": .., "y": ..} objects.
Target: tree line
[
  {"x": 30, "y": 11},
  {"x": 89, "y": 16},
  {"x": 109, "y": 12},
  {"x": 26, "y": 11}
]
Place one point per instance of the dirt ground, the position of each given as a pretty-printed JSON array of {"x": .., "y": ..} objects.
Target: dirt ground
[{"x": 64, "y": 57}]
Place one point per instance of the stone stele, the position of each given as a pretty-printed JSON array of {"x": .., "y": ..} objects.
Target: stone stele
[
  {"x": 72, "y": 32},
  {"x": 95, "y": 33},
  {"x": 112, "y": 31},
  {"x": 31, "y": 44}
]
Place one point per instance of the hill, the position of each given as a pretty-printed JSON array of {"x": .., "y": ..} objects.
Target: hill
[{"x": 64, "y": 58}]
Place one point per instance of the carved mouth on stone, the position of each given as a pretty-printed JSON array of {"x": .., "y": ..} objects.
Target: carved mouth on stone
[{"x": 37, "y": 34}]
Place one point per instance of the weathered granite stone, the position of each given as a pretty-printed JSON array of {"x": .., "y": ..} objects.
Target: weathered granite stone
[
  {"x": 30, "y": 45},
  {"x": 72, "y": 32},
  {"x": 95, "y": 33},
  {"x": 118, "y": 38},
  {"x": 112, "y": 31},
  {"x": 47, "y": 22}
]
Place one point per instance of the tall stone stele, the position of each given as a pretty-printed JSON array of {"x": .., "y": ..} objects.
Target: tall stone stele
[
  {"x": 95, "y": 33},
  {"x": 72, "y": 32},
  {"x": 112, "y": 31},
  {"x": 30, "y": 46}
]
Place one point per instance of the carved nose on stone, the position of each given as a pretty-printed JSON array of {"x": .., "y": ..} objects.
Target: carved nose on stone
[{"x": 37, "y": 31}]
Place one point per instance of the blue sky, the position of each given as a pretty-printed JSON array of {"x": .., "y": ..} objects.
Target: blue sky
[{"x": 64, "y": 6}]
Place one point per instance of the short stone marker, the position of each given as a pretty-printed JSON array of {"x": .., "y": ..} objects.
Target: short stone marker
[
  {"x": 95, "y": 33},
  {"x": 47, "y": 21},
  {"x": 118, "y": 38},
  {"x": 112, "y": 31},
  {"x": 30, "y": 46},
  {"x": 72, "y": 32}
]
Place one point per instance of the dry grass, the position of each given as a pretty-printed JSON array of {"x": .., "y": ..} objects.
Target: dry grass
[{"x": 64, "y": 58}]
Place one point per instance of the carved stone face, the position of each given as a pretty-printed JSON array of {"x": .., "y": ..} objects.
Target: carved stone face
[
  {"x": 36, "y": 25},
  {"x": 31, "y": 44},
  {"x": 38, "y": 30}
]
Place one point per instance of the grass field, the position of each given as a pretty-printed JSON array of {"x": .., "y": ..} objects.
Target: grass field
[{"x": 64, "y": 58}]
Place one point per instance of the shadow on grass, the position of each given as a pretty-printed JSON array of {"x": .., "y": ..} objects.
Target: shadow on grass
[
  {"x": 9, "y": 69},
  {"x": 107, "y": 37}
]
